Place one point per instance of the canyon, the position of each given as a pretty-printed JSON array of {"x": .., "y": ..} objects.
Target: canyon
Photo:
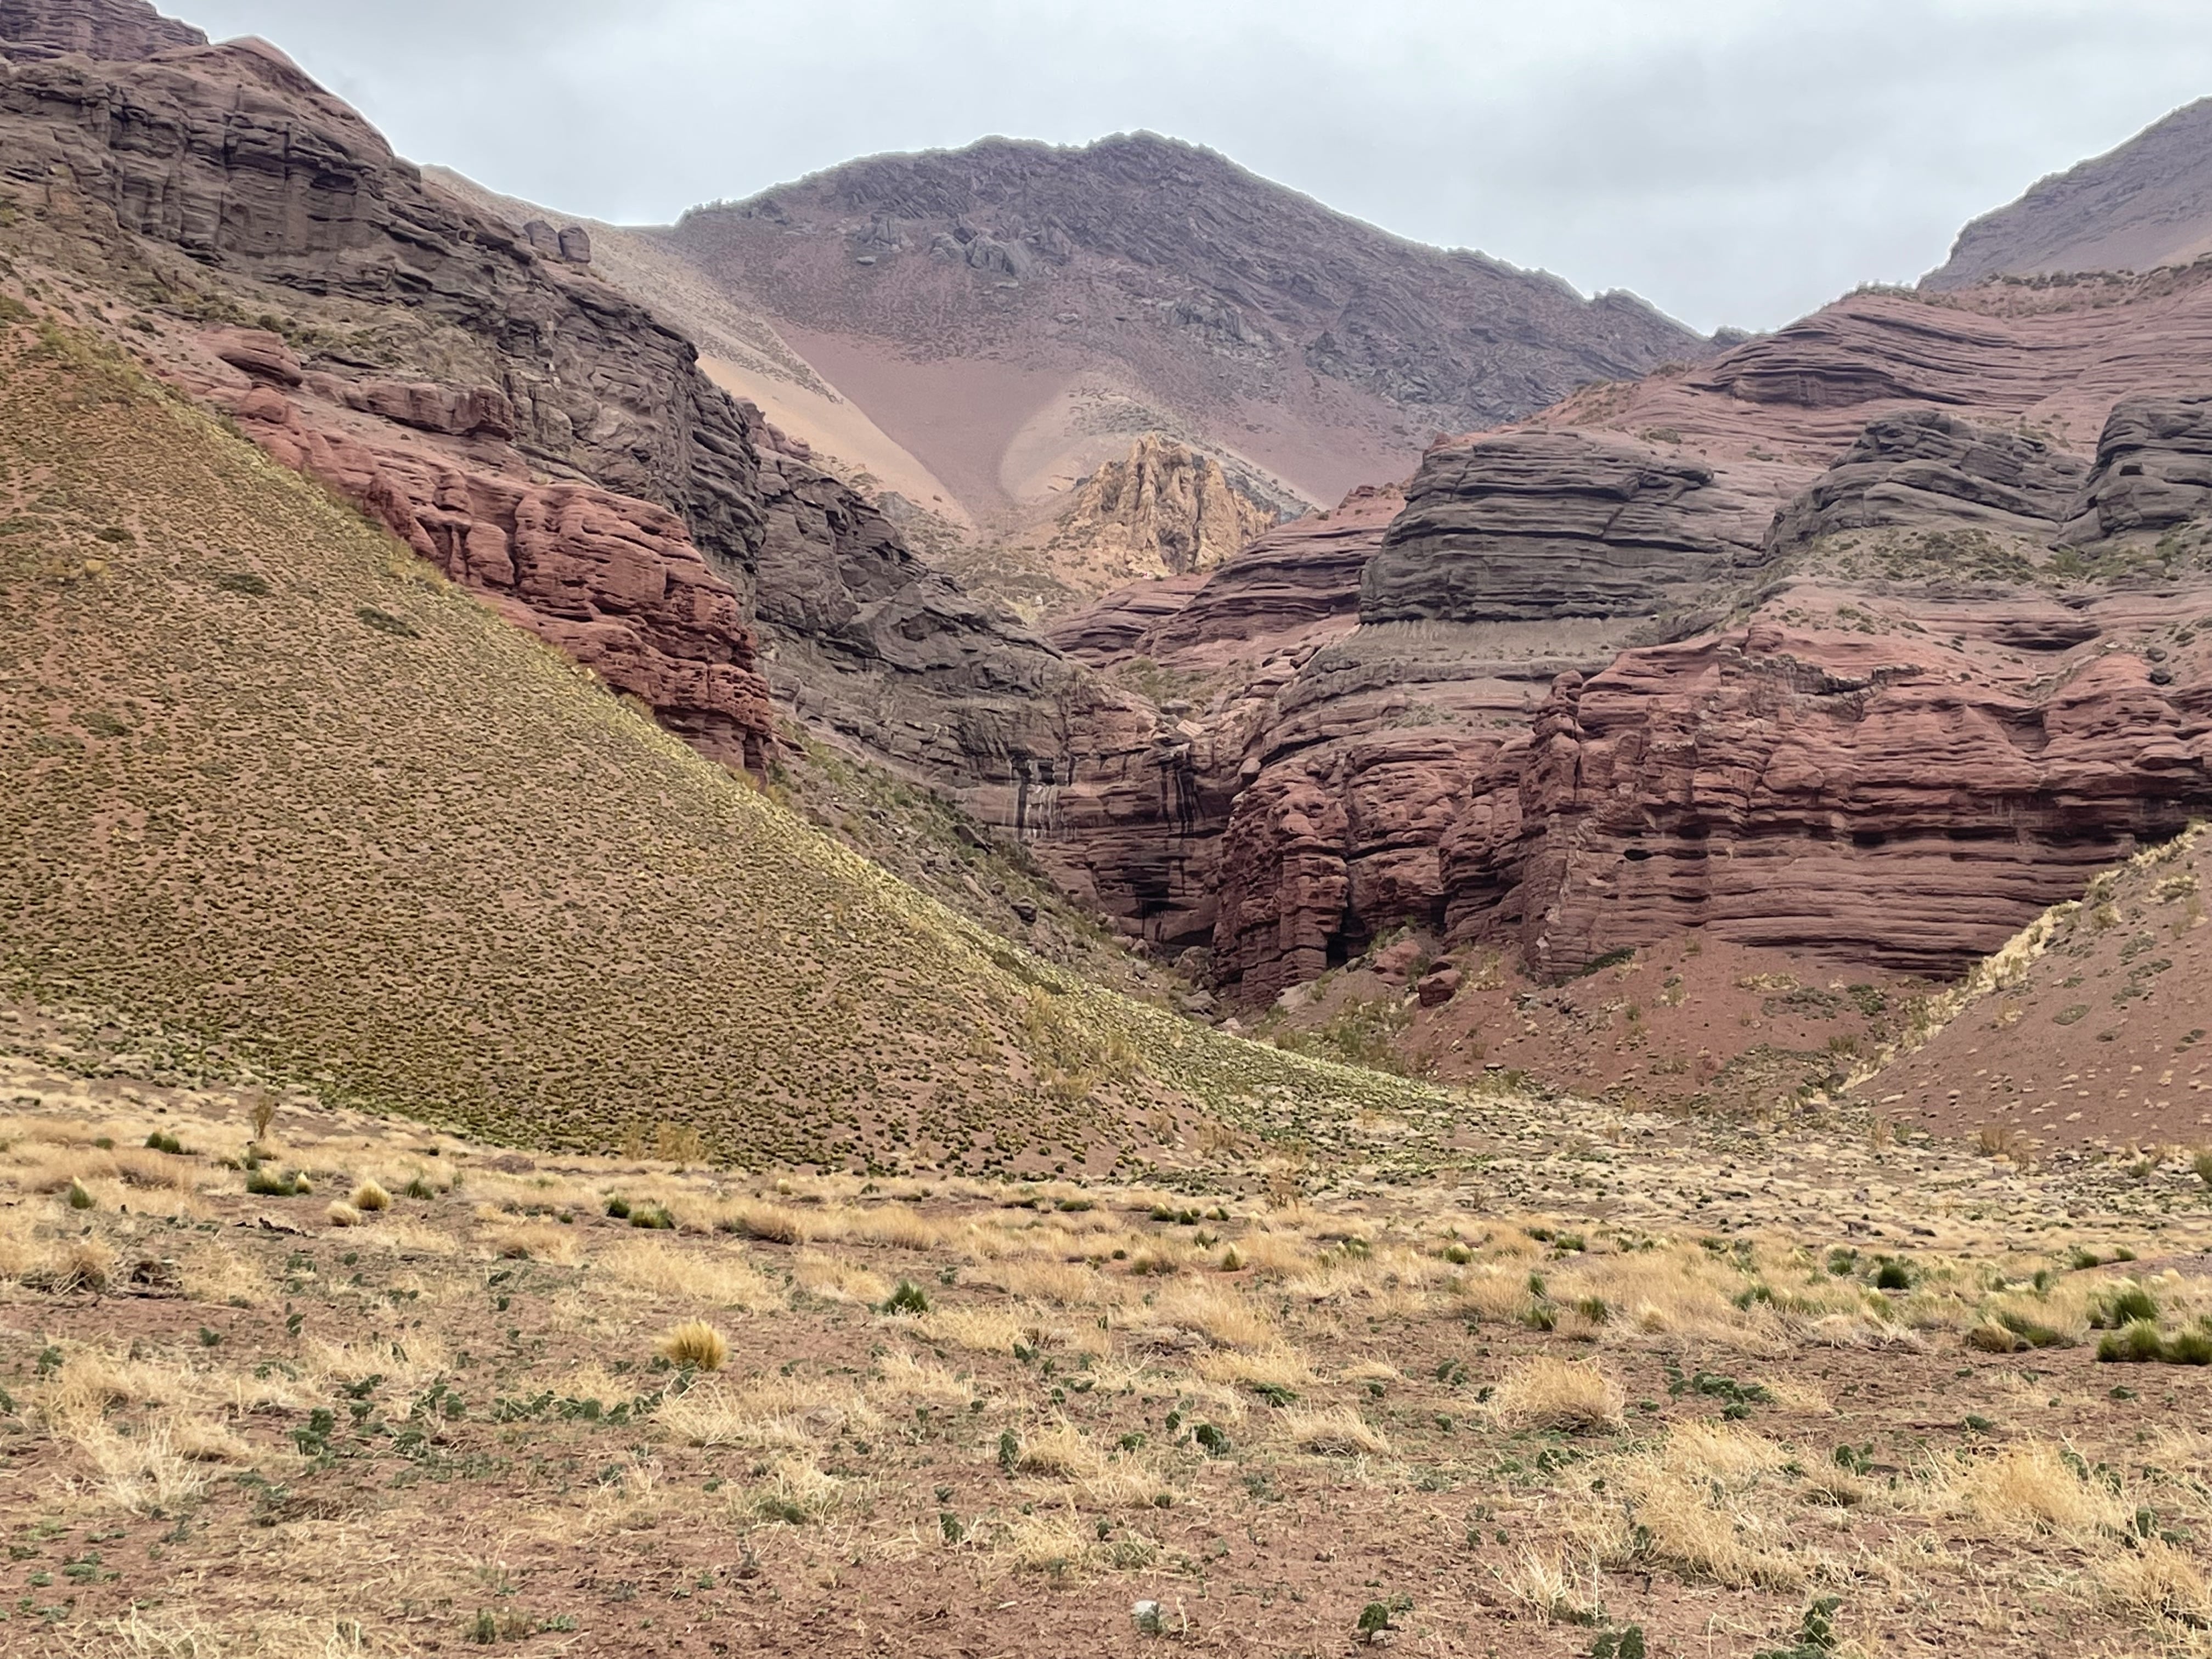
[{"x": 1856, "y": 644}]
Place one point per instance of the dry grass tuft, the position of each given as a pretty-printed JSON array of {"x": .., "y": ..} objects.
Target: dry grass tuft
[
  {"x": 1215, "y": 1312},
  {"x": 369, "y": 1198},
  {"x": 694, "y": 1345},
  {"x": 837, "y": 1279},
  {"x": 1279, "y": 1366},
  {"x": 1052, "y": 1544},
  {"x": 2035, "y": 1488},
  {"x": 1340, "y": 1434},
  {"x": 978, "y": 1329},
  {"x": 715, "y": 1274},
  {"x": 1543, "y": 1587},
  {"x": 902, "y": 1375},
  {"x": 1063, "y": 1453},
  {"x": 1545, "y": 1393},
  {"x": 142, "y": 1473},
  {"x": 534, "y": 1241},
  {"x": 2157, "y": 1584}
]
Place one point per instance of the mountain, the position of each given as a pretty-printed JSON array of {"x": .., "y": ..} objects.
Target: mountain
[
  {"x": 1854, "y": 646},
  {"x": 1009, "y": 313},
  {"x": 279, "y": 794},
  {"x": 2144, "y": 205},
  {"x": 971, "y": 335},
  {"x": 504, "y": 411}
]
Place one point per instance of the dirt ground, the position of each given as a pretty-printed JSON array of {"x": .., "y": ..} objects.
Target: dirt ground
[{"x": 1509, "y": 1406}]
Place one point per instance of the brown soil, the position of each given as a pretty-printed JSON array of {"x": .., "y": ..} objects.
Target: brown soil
[
  {"x": 1696, "y": 1024},
  {"x": 233, "y": 1427}
]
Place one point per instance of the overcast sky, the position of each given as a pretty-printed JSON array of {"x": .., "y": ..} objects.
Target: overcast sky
[{"x": 1734, "y": 162}]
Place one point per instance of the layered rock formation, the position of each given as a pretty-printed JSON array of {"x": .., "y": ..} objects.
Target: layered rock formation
[
  {"x": 1535, "y": 525},
  {"x": 533, "y": 431},
  {"x": 1923, "y": 467},
  {"x": 1863, "y": 801},
  {"x": 614, "y": 582},
  {"x": 2153, "y": 471},
  {"x": 1731, "y": 648},
  {"x": 1920, "y": 724},
  {"x": 2145, "y": 204},
  {"x": 96, "y": 28}
]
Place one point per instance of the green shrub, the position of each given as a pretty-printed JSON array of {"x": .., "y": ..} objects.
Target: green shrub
[
  {"x": 2135, "y": 1343},
  {"x": 908, "y": 1299},
  {"x": 2125, "y": 1304}
]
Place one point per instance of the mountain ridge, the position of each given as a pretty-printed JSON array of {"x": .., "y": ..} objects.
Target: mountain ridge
[{"x": 2141, "y": 206}]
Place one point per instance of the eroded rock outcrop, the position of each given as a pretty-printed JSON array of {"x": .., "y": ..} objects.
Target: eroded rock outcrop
[
  {"x": 1926, "y": 468},
  {"x": 1298, "y": 582},
  {"x": 1852, "y": 799},
  {"x": 95, "y": 28},
  {"x": 2154, "y": 470},
  {"x": 1524, "y": 525},
  {"x": 614, "y": 582},
  {"x": 1163, "y": 506}
]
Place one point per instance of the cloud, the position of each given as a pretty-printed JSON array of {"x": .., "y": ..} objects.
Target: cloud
[{"x": 1733, "y": 161}]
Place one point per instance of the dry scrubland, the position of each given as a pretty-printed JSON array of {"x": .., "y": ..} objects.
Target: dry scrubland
[
  {"x": 415, "y": 1395},
  {"x": 276, "y": 789}
]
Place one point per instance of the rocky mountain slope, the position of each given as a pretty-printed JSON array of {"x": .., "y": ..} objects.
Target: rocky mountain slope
[
  {"x": 1011, "y": 313},
  {"x": 1857, "y": 645},
  {"x": 281, "y": 796},
  {"x": 501, "y": 408},
  {"x": 2144, "y": 205},
  {"x": 2092, "y": 1022},
  {"x": 97, "y": 28}
]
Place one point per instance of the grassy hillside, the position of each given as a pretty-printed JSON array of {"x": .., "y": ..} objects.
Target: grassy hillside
[
  {"x": 2090, "y": 1024},
  {"x": 266, "y": 780}
]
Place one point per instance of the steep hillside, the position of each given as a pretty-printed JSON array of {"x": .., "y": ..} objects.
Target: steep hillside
[
  {"x": 1010, "y": 314},
  {"x": 2092, "y": 1023},
  {"x": 2145, "y": 204},
  {"x": 272, "y": 784},
  {"x": 537, "y": 434}
]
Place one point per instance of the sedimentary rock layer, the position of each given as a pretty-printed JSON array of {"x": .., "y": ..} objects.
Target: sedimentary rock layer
[
  {"x": 1525, "y": 526},
  {"x": 224, "y": 179}
]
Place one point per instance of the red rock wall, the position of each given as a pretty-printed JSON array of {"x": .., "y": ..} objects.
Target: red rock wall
[{"x": 613, "y": 581}]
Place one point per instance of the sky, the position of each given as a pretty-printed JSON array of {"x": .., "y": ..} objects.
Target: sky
[{"x": 1737, "y": 162}]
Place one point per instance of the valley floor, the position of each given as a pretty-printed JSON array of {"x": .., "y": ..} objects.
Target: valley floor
[{"x": 1516, "y": 1384}]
